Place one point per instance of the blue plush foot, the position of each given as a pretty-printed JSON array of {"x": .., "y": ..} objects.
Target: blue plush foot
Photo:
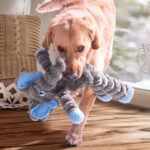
[
  {"x": 26, "y": 78},
  {"x": 33, "y": 119},
  {"x": 105, "y": 98},
  {"x": 129, "y": 96},
  {"x": 42, "y": 111},
  {"x": 76, "y": 116}
]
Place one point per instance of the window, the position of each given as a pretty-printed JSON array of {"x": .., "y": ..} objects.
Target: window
[{"x": 131, "y": 51}]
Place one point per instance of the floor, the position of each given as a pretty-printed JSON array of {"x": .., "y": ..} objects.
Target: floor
[{"x": 110, "y": 126}]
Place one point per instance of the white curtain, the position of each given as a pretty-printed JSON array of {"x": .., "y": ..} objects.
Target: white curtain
[{"x": 15, "y": 6}]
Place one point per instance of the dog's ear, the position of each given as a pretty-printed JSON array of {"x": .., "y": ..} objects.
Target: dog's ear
[
  {"x": 53, "y": 5},
  {"x": 49, "y": 6},
  {"x": 95, "y": 43},
  {"x": 47, "y": 39}
]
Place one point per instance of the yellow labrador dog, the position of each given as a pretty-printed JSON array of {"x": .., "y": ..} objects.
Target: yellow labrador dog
[{"x": 82, "y": 31}]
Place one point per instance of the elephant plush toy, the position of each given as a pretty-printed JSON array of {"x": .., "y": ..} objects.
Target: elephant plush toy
[{"x": 44, "y": 88}]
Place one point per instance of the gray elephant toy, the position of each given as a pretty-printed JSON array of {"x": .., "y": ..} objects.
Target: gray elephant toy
[{"x": 43, "y": 89}]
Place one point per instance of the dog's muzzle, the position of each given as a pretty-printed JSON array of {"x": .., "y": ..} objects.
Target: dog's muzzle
[{"x": 71, "y": 75}]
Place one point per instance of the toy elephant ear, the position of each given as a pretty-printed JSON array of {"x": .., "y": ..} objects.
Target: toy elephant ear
[{"x": 53, "y": 5}]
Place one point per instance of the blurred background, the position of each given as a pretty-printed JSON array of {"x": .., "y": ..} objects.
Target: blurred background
[{"x": 131, "y": 50}]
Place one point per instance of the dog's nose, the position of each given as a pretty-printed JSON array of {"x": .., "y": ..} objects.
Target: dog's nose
[{"x": 71, "y": 75}]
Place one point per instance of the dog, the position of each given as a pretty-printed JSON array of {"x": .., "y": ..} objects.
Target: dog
[{"x": 82, "y": 31}]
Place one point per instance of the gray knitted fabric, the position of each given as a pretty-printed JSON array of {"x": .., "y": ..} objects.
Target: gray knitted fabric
[{"x": 53, "y": 85}]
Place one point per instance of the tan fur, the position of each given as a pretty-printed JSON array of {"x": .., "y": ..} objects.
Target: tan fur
[{"x": 88, "y": 23}]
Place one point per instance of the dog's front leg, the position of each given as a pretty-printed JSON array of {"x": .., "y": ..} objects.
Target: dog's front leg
[{"x": 74, "y": 136}]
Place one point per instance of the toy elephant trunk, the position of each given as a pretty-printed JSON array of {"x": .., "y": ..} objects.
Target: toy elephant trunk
[
  {"x": 106, "y": 87},
  {"x": 43, "y": 59}
]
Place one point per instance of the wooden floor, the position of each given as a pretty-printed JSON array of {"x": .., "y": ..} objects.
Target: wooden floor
[{"x": 110, "y": 126}]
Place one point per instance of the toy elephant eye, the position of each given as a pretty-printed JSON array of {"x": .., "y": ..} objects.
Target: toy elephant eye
[
  {"x": 61, "y": 49},
  {"x": 80, "y": 48},
  {"x": 42, "y": 93}
]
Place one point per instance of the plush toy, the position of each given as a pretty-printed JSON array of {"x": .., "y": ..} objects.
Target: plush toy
[{"x": 43, "y": 89}]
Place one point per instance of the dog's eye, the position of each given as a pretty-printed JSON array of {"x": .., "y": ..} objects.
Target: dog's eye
[
  {"x": 61, "y": 49},
  {"x": 80, "y": 48}
]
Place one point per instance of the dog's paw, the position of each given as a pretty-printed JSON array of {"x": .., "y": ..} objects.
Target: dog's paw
[{"x": 73, "y": 139}]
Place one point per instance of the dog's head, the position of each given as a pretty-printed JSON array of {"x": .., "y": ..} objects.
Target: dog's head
[{"x": 73, "y": 35}]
